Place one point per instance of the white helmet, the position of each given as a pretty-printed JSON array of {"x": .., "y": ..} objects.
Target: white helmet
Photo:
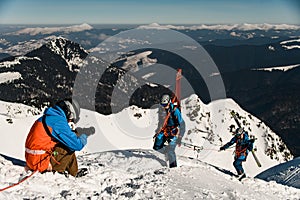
[
  {"x": 239, "y": 131},
  {"x": 165, "y": 99},
  {"x": 71, "y": 108}
]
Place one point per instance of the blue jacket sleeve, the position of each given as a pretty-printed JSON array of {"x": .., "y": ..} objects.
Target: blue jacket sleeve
[
  {"x": 231, "y": 142},
  {"x": 180, "y": 121},
  {"x": 178, "y": 116},
  {"x": 63, "y": 133}
]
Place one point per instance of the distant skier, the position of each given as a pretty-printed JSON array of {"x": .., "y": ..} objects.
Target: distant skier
[
  {"x": 243, "y": 145},
  {"x": 171, "y": 133},
  {"x": 53, "y": 140}
]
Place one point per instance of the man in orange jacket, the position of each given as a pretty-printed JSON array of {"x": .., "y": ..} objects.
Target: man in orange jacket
[{"x": 51, "y": 143}]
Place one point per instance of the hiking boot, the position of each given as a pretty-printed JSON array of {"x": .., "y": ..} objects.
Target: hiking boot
[
  {"x": 173, "y": 164},
  {"x": 82, "y": 172},
  {"x": 65, "y": 173},
  {"x": 241, "y": 176}
]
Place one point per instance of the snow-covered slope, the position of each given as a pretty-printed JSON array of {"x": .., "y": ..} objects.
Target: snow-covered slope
[
  {"x": 16, "y": 61},
  {"x": 208, "y": 126},
  {"x": 286, "y": 173},
  {"x": 71, "y": 52},
  {"x": 116, "y": 172},
  {"x": 281, "y": 68},
  {"x": 291, "y": 44},
  {"x": 17, "y": 111},
  {"x": 139, "y": 174}
]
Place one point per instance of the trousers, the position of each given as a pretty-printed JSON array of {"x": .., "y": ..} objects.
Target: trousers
[
  {"x": 64, "y": 160},
  {"x": 168, "y": 150}
]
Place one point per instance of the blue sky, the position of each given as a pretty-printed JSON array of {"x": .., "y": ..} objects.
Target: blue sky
[{"x": 149, "y": 11}]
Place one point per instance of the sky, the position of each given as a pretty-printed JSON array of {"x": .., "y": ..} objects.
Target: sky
[{"x": 149, "y": 11}]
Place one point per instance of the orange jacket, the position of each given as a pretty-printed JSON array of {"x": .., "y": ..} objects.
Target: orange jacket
[{"x": 38, "y": 147}]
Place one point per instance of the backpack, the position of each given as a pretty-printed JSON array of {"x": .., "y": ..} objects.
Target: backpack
[{"x": 39, "y": 146}]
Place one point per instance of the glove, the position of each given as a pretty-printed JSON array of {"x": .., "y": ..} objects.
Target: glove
[
  {"x": 88, "y": 131},
  {"x": 178, "y": 141},
  {"x": 252, "y": 140},
  {"x": 222, "y": 148}
]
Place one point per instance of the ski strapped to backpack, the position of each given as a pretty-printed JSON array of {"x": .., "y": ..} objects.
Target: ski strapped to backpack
[
  {"x": 175, "y": 101},
  {"x": 235, "y": 117}
]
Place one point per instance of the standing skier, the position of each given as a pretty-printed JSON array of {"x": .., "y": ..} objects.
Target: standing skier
[
  {"x": 52, "y": 141},
  {"x": 171, "y": 132},
  {"x": 243, "y": 145}
]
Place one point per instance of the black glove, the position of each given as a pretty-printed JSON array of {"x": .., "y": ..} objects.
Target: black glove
[
  {"x": 252, "y": 140},
  {"x": 88, "y": 131},
  {"x": 222, "y": 148}
]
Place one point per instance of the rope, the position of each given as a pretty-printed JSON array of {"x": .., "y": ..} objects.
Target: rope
[{"x": 21, "y": 181}]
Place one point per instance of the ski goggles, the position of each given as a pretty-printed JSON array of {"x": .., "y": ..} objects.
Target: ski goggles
[{"x": 164, "y": 104}]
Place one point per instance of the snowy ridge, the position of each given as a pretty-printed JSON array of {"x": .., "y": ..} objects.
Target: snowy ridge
[
  {"x": 17, "y": 111},
  {"x": 242, "y": 27},
  {"x": 281, "y": 68},
  {"x": 116, "y": 172},
  {"x": 65, "y": 48},
  {"x": 51, "y": 30},
  {"x": 286, "y": 173},
  {"x": 207, "y": 126},
  {"x": 9, "y": 76},
  {"x": 291, "y": 44},
  {"x": 131, "y": 62},
  {"x": 139, "y": 174},
  {"x": 210, "y": 126},
  {"x": 16, "y": 61}
]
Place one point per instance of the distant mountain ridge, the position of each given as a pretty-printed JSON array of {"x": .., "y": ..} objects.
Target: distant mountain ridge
[
  {"x": 51, "y": 30},
  {"x": 228, "y": 27},
  {"x": 48, "y": 73}
]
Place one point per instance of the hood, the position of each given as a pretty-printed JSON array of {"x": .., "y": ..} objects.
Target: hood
[{"x": 55, "y": 111}]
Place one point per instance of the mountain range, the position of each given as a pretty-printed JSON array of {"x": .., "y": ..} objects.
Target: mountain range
[{"x": 44, "y": 70}]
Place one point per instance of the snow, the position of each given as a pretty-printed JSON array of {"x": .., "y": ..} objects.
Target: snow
[
  {"x": 59, "y": 46},
  {"x": 51, "y": 30},
  {"x": 17, "y": 111},
  {"x": 286, "y": 173},
  {"x": 281, "y": 68},
  {"x": 16, "y": 61},
  {"x": 289, "y": 41},
  {"x": 228, "y": 27},
  {"x": 122, "y": 164},
  {"x": 286, "y": 44},
  {"x": 147, "y": 76},
  {"x": 9, "y": 76},
  {"x": 131, "y": 62},
  {"x": 139, "y": 174},
  {"x": 271, "y": 48}
]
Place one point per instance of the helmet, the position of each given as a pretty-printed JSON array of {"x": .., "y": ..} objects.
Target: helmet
[
  {"x": 71, "y": 108},
  {"x": 165, "y": 99},
  {"x": 239, "y": 131}
]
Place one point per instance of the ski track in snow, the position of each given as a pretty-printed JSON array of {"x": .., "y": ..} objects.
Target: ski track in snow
[{"x": 139, "y": 174}]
